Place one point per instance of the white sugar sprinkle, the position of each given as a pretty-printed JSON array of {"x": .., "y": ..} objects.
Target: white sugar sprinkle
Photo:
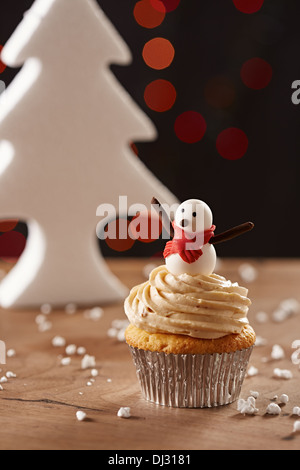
[
  {"x": 260, "y": 341},
  {"x": 81, "y": 351},
  {"x": 261, "y": 317},
  {"x": 11, "y": 353},
  {"x": 88, "y": 362},
  {"x": 46, "y": 309},
  {"x": 296, "y": 410},
  {"x": 58, "y": 341},
  {"x": 3, "y": 380},
  {"x": 120, "y": 324},
  {"x": 277, "y": 352},
  {"x": 94, "y": 373},
  {"x": 94, "y": 313},
  {"x": 45, "y": 326},
  {"x": 273, "y": 409},
  {"x": 282, "y": 373},
  {"x": 121, "y": 335},
  {"x": 39, "y": 319},
  {"x": 71, "y": 349},
  {"x": 124, "y": 412},
  {"x": 296, "y": 426},
  {"x": 70, "y": 308},
  {"x": 89, "y": 384},
  {"x": 287, "y": 308},
  {"x": 284, "y": 398},
  {"x": 247, "y": 406},
  {"x": 252, "y": 371},
  {"x": 290, "y": 305},
  {"x": 112, "y": 332},
  {"x": 254, "y": 393},
  {"x": 117, "y": 329},
  {"x": 10, "y": 375},
  {"x": 279, "y": 315},
  {"x": 247, "y": 272},
  {"x": 80, "y": 415},
  {"x": 65, "y": 361}
]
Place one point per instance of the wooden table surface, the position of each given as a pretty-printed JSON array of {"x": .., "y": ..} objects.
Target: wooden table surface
[{"x": 38, "y": 407}]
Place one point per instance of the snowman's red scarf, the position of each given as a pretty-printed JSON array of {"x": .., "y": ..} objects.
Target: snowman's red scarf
[{"x": 180, "y": 240}]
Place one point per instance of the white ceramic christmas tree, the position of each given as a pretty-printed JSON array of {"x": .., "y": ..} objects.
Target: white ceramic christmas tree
[{"x": 66, "y": 125}]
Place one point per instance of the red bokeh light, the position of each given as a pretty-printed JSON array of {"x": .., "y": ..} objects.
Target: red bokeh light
[
  {"x": 134, "y": 149},
  {"x": 248, "y": 6},
  {"x": 190, "y": 127},
  {"x": 145, "y": 227},
  {"x": 12, "y": 245},
  {"x": 256, "y": 73},
  {"x": 232, "y": 143},
  {"x": 165, "y": 5},
  {"x": 2, "y": 65}
]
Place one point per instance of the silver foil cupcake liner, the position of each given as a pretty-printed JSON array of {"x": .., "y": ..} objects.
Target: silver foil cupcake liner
[{"x": 191, "y": 380}]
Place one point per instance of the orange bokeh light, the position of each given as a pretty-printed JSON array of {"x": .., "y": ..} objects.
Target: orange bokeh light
[
  {"x": 116, "y": 243},
  {"x": 158, "y": 53},
  {"x": 160, "y": 95},
  {"x": 219, "y": 92},
  {"x": 248, "y": 6},
  {"x": 8, "y": 225},
  {"x": 147, "y": 16}
]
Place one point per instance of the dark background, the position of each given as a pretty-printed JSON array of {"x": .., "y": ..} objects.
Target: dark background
[{"x": 213, "y": 38}]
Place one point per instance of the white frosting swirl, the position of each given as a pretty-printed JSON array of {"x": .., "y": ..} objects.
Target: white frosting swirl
[{"x": 194, "y": 305}]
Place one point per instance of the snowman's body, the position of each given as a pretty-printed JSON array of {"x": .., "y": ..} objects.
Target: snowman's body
[
  {"x": 193, "y": 218},
  {"x": 204, "y": 265}
]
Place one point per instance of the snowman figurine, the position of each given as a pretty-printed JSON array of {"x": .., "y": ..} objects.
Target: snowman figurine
[{"x": 190, "y": 251}]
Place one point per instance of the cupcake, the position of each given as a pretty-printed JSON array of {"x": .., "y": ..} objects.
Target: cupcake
[{"x": 189, "y": 335}]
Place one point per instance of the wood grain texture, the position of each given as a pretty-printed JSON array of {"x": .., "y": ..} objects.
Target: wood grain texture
[{"x": 38, "y": 407}]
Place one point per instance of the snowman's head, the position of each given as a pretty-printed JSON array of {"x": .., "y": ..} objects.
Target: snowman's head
[{"x": 193, "y": 216}]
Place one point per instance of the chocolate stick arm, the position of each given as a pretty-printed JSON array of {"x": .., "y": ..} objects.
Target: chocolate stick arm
[
  {"x": 232, "y": 233},
  {"x": 164, "y": 215}
]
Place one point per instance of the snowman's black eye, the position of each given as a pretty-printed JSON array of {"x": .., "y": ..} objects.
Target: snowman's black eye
[
  {"x": 182, "y": 210},
  {"x": 194, "y": 214}
]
